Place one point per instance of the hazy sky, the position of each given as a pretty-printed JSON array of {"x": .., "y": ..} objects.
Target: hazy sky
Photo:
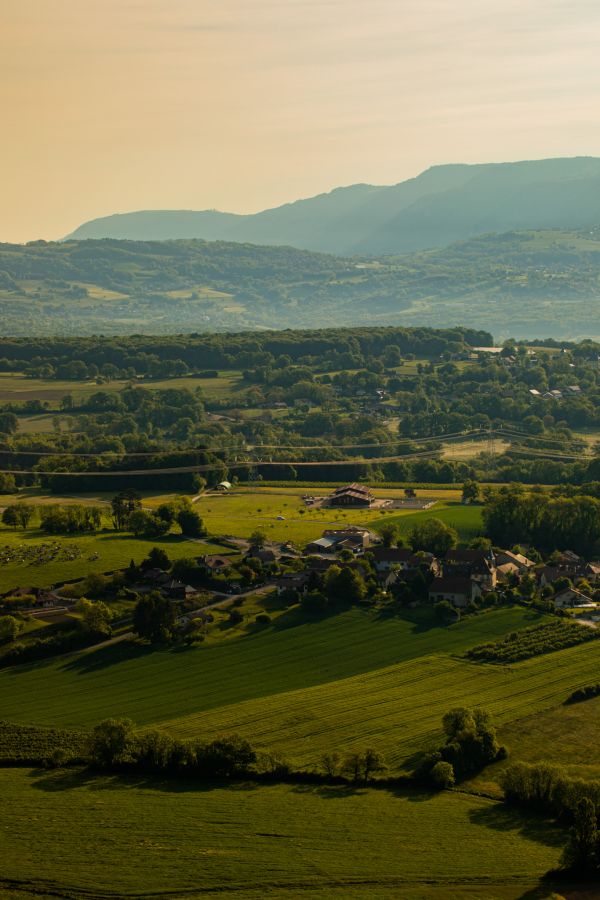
[{"x": 114, "y": 105}]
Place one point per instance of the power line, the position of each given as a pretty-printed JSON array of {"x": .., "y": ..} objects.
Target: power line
[{"x": 255, "y": 448}]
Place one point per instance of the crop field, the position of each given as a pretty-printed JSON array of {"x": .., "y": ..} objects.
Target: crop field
[
  {"x": 24, "y": 554},
  {"x": 243, "y": 511},
  {"x": 17, "y": 388},
  {"x": 156, "y": 685},
  {"x": 398, "y": 708},
  {"x": 250, "y": 842}
]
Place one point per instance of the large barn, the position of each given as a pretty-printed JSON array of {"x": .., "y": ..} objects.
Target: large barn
[{"x": 353, "y": 495}]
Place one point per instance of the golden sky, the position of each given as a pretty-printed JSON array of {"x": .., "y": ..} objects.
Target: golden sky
[{"x": 115, "y": 105}]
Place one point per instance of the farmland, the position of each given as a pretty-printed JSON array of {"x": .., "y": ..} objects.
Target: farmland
[
  {"x": 248, "y": 509},
  {"x": 102, "y": 552},
  {"x": 152, "y": 686},
  {"x": 251, "y": 843}
]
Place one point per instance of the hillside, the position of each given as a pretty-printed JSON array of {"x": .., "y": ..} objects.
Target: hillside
[
  {"x": 522, "y": 284},
  {"x": 443, "y": 204}
]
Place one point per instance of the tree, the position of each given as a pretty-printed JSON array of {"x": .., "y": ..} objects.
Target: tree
[
  {"x": 95, "y": 617},
  {"x": 361, "y": 765},
  {"x": 9, "y": 423},
  {"x": 156, "y": 559},
  {"x": 110, "y": 741},
  {"x": 580, "y": 855},
  {"x": 154, "y": 617},
  {"x": 258, "y": 538},
  {"x": 17, "y": 514},
  {"x": 123, "y": 505},
  {"x": 433, "y": 536},
  {"x": 10, "y": 629},
  {"x": 445, "y": 612},
  {"x": 190, "y": 523},
  {"x": 442, "y": 775},
  {"x": 470, "y": 492},
  {"x": 331, "y": 763},
  {"x": 389, "y": 533},
  {"x": 344, "y": 585},
  {"x": 145, "y": 523},
  {"x": 9, "y": 516}
]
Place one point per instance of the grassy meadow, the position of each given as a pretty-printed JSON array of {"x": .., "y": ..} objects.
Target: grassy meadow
[
  {"x": 65, "y": 834},
  {"x": 246, "y": 509},
  {"x": 102, "y": 552}
]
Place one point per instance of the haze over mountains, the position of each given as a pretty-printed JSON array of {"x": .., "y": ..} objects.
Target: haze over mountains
[{"x": 444, "y": 204}]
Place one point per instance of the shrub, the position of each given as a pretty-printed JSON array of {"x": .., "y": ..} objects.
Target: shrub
[{"x": 442, "y": 775}]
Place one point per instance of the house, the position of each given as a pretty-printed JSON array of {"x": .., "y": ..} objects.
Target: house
[
  {"x": 352, "y": 495},
  {"x": 387, "y": 579},
  {"x": 504, "y": 557},
  {"x": 293, "y": 581},
  {"x": 334, "y": 539},
  {"x": 156, "y": 576},
  {"x": 264, "y": 554},
  {"x": 571, "y": 597},
  {"x": 387, "y": 558},
  {"x": 213, "y": 564},
  {"x": 479, "y": 565},
  {"x": 176, "y": 590},
  {"x": 508, "y": 570},
  {"x": 458, "y": 591}
]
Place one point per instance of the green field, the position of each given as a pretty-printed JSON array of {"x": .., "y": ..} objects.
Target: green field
[
  {"x": 64, "y": 834},
  {"x": 114, "y": 550},
  {"x": 18, "y": 388},
  {"x": 245, "y": 510}
]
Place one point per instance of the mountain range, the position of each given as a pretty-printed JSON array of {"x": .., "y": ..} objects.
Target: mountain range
[{"x": 442, "y": 205}]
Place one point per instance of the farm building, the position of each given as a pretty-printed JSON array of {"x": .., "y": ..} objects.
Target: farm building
[
  {"x": 351, "y": 538},
  {"x": 223, "y": 486},
  {"x": 352, "y": 495}
]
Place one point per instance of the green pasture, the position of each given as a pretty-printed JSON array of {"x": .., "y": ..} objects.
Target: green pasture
[
  {"x": 114, "y": 550},
  {"x": 567, "y": 736},
  {"x": 17, "y": 388},
  {"x": 275, "y": 666},
  {"x": 66, "y": 834},
  {"x": 243, "y": 511}
]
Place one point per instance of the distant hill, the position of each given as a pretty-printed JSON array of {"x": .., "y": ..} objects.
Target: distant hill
[
  {"x": 523, "y": 284},
  {"x": 442, "y": 205}
]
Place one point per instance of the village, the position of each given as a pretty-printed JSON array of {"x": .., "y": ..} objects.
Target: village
[{"x": 345, "y": 565}]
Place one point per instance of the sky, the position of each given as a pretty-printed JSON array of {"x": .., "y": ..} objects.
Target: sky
[{"x": 116, "y": 105}]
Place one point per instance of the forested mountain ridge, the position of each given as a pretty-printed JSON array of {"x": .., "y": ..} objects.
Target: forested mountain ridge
[
  {"x": 522, "y": 284},
  {"x": 443, "y": 204}
]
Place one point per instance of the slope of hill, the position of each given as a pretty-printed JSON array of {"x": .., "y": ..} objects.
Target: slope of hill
[
  {"x": 523, "y": 284},
  {"x": 441, "y": 205}
]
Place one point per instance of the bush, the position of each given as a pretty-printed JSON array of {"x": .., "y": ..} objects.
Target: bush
[
  {"x": 586, "y": 693},
  {"x": 442, "y": 775},
  {"x": 263, "y": 619}
]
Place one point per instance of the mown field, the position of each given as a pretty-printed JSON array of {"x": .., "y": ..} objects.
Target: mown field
[
  {"x": 17, "y": 388},
  {"x": 65, "y": 834},
  {"x": 245, "y": 510},
  {"x": 158, "y": 685},
  {"x": 398, "y": 708}
]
